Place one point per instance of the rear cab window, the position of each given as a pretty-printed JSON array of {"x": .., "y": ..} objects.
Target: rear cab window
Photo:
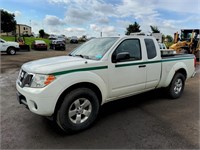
[{"x": 151, "y": 48}]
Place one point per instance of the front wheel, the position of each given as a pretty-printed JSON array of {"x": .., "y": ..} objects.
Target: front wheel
[
  {"x": 176, "y": 86},
  {"x": 78, "y": 110},
  {"x": 11, "y": 51}
]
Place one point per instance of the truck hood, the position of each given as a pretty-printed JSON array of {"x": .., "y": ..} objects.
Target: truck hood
[
  {"x": 55, "y": 64},
  {"x": 12, "y": 43}
]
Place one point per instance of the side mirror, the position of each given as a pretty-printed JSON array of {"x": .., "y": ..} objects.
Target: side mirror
[{"x": 122, "y": 56}]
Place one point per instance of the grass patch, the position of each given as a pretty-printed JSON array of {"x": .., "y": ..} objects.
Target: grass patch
[
  {"x": 8, "y": 38},
  {"x": 28, "y": 40}
]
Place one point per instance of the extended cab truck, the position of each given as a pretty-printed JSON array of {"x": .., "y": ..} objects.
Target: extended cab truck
[
  {"x": 9, "y": 47},
  {"x": 72, "y": 88}
]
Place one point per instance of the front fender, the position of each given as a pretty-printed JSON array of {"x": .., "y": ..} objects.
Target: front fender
[{"x": 68, "y": 80}]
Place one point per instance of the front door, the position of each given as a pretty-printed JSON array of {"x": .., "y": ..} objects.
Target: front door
[{"x": 127, "y": 76}]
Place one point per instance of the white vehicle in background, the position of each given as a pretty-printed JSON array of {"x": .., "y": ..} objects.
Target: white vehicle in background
[
  {"x": 162, "y": 46},
  {"x": 9, "y": 47},
  {"x": 52, "y": 37},
  {"x": 164, "y": 51},
  {"x": 61, "y": 38},
  {"x": 57, "y": 37},
  {"x": 74, "y": 39}
]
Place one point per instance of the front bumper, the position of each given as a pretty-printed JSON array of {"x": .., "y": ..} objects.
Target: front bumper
[
  {"x": 41, "y": 101},
  {"x": 41, "y": 47}
]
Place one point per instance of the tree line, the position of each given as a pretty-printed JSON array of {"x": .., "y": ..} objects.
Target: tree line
[
  {"x": 133, "y": 28},
  {"x": 8, "y": 23}
]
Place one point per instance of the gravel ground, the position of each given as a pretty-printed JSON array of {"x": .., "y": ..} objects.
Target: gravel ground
[{"x": 9, "y": 62}]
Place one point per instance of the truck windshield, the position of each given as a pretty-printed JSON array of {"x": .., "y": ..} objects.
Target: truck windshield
[{"x": 94, "y": 48}]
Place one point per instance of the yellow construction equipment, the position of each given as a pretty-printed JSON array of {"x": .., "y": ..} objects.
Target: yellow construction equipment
[
  {"x": 22, "y": 44},
  {"x": 189, "y": 42}
]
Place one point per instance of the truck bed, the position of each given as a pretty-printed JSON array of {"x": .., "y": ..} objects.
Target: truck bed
[{"x": 177, "y": 56}]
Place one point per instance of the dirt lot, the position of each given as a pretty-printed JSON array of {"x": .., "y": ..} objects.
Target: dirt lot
[{"x": 9, "y": 62}]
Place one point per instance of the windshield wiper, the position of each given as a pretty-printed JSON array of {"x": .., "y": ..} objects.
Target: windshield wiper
[
  {"x": 79, "y": 55},
  {"x": 82, "y": 56},
  {"x": 76, "y": 55}
]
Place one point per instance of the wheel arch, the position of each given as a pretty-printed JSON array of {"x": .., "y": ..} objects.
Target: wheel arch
[
  {"x": 182, "y": 71},
  {"x": 89, "y": 85},
  {"x": 171, "y": 75},
  {"x": 179, "y": 67},
  {"x": 10, "y": 48}
]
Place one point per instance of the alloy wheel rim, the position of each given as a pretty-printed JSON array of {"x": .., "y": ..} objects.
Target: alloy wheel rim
[
  {"x": 12, "y": 52},
  {"x": 178, "y": 86},
  {"x": 80, "y": 110}
]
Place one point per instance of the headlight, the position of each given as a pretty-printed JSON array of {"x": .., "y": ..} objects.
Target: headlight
[{"x": 40, "y": 81}]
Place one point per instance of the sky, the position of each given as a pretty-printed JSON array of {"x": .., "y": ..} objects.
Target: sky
[{"x": 111, "y": 17}]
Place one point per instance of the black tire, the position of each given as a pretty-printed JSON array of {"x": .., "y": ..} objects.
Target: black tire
[
  {"x": 176, "y": 86},
  {"x": 184, "y": 51},
  {"x": 28, "y": 47},
  {"x": 35, "y": 48},
  {"x": 84, "y": 107},
  {"x": 63, "y": 48},
  {"x": 11, "y": 51}
]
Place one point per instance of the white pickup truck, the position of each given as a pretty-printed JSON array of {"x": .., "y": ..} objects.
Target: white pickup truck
[
  {"x": 9, "y": 47},
  {"x": 72, "y": 88}
]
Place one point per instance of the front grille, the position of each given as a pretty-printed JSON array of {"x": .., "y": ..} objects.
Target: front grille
[{"x": 24, "y": 79}]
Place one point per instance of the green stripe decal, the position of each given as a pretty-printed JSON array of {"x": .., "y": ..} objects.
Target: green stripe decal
[
  {"x": 152, "y": 62},
  {"x": 165, "y": 60},
  {"x": 79, "y": 70},
  {"x": 139, "y": 63},
  {"x": 118, "y": 65}
]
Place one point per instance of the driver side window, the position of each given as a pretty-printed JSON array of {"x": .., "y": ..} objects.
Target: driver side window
[{"x": 130, "y": 46}]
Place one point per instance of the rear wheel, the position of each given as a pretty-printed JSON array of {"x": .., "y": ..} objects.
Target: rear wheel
[
  {"x": 176, "y": 86},
  {"x": 63, "y": 48},
  {"x": 78, "y": 110},
  {"x": 11, "y": 51},
  {"x": 28, "y": 47},
  {"x": 184, "y": 51}
]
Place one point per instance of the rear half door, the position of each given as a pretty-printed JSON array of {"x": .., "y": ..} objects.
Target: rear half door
[{"x": 153, "y": 64}]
